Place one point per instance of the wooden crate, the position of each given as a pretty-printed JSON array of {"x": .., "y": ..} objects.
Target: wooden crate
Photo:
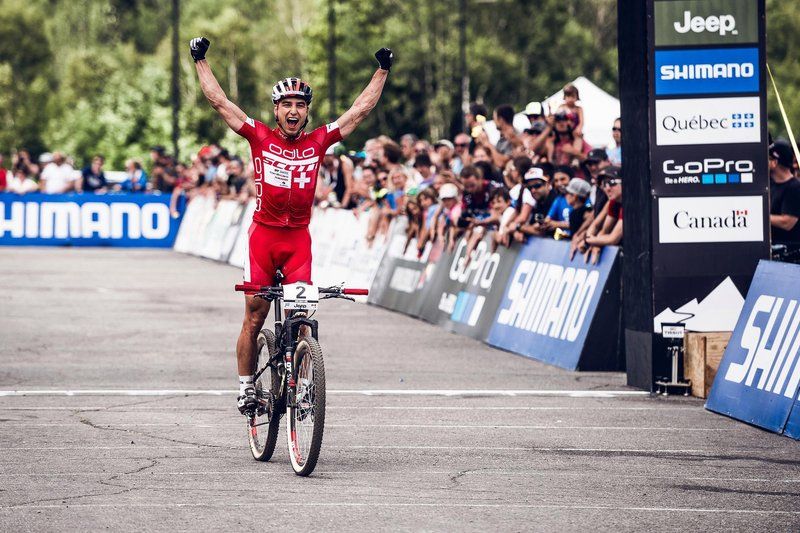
[{"x": 702, "y": 355}]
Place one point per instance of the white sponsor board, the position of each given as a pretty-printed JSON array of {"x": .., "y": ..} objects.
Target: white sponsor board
[
  {"x": 708, "y": 121},
  {"x": 710, "y": 219}
]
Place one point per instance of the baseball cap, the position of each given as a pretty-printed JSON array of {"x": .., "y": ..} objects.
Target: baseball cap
[
  {"x": 579, "y": 187},
  {"x": 611, "y": 172},
  {"x": 444, "y": 142},
  {"x": 45, "y": 158},
  {"x": 448, "y": 190},
  {"x": 598, "y": 154},
  {"x": 533, "y": 108},
  {"x": 535, "y": 173},
  {"x": 782, "y": 151}
]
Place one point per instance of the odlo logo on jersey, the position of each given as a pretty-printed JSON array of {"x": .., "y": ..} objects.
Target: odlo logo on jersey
[{"x": 771, "y": 363}]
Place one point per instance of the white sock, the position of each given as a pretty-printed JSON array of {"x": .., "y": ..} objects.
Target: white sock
[{"x": 245, "y": 382}]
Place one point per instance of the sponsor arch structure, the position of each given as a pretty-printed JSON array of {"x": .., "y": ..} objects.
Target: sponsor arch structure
[{"x": 692, "y": 88}]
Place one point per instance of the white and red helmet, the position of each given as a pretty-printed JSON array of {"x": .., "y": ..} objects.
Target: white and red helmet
[{"x": 291, "y": 88}]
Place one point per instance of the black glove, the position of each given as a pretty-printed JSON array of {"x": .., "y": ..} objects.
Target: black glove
[
  {"x": 198, "y": 48},
  {"x": 385, "y": 58}
]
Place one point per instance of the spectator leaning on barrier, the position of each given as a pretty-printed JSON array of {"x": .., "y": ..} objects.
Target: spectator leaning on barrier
[
  {"x": 448, "y": 214},
  {"x": 557, "y": 219},
  {"x": 580, "y": 216},
  {"x": 542, "y": 192},
  {"x": 5, "y": 176},
  {"x": 607, "y": 228},
  {"x": 21, "y": 183},
  {"x": 428, "y": 201},
  {"x": 784, "y": 191},
  {"x": 615, "y": 151},
  {"x": 596, "y": 162},
  {"x": 135, "y": 177},
  {"x": 57, "y": 175},
  {"x": 93, "y": 179}
]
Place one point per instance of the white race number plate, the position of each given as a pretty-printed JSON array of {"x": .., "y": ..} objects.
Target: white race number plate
[{"x": 300, "y": 296}]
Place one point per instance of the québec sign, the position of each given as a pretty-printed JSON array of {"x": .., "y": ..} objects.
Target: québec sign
[{"x": 120, "y": 220}]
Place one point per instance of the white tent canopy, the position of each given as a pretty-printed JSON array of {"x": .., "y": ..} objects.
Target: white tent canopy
[{"x": 599, "y": 111}]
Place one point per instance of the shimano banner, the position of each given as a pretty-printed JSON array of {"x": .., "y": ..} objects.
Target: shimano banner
[
  {"x": 759, "y": 376},
  {"x": 464, "y": 295},
  {"x": 559, "y": 310},
  {"x": 133, "y": 220}
]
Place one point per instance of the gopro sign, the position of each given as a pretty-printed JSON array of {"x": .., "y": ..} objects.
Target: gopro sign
[
  {"x": 86, "y": 220},
  {"x": 759, "y": 376}
]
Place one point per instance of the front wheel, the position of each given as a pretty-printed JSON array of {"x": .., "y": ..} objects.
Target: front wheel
[
  {"x": 264, "y": 426},
  {"x": 306, "y": 415}
]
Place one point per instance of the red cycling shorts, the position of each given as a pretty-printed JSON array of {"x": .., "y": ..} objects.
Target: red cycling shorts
[{"x": 271, "y": 248}]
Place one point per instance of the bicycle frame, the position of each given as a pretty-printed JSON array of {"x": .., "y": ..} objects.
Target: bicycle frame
[{"x": 287, "y": 330}]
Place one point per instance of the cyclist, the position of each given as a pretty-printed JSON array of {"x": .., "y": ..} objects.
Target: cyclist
[{"x": 286, "y": 160}]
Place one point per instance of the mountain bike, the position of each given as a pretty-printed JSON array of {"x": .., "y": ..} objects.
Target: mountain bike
[{"x": 290, "y": 373}]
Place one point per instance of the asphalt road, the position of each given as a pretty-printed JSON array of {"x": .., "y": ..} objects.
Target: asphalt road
[{"x": 567, "y": 452}]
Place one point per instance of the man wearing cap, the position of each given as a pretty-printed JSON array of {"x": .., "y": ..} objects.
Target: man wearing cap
[
  {"x": 538, "y": 182},
  {"x": 784, "y": 192},
  {"x": 596, "y": 161},
  {"x": 444, "y": 151},
  {"x": 606, "y": 229}
]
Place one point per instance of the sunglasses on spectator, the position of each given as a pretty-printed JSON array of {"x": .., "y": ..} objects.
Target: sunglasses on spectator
[
  {"x": 610, "y": 182},
  {"x": 462, "y": 145},
  {"x": 537, "y": 185},
  {"x": 616, "y": 129}
]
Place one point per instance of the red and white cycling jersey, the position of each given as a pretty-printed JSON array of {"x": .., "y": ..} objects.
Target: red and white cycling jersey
[{"x": 286, "y": 171}]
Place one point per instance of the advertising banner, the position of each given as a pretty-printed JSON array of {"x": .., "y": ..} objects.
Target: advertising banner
[
  {"x": 464, "y": 295},
  {"x": 712, "y": 22},
  {"x": 708, "y": 166},
  {"x": 759, "y": 376},
  {"x": 128, "y": 220},
  {"x": 562, "y": 311},
  {"x": 403, "y": 281}
]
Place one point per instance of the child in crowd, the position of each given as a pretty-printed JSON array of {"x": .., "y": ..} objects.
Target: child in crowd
[
  {"x": 415, "y": 221},
  {"x": 573, "y": 110},
  {"x": 428, "y": 202},
  {"x": 557, "y": 219},
  {"x": 577, "y": 195},
  {"x": 448, "y": 213}
]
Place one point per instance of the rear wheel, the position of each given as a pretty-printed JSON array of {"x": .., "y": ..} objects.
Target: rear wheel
[
  {"x": 306, "y": 418},
  {"x": 264, "y": 426}
]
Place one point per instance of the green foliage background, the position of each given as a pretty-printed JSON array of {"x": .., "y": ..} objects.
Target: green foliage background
[{"x": 88, "y": 76}]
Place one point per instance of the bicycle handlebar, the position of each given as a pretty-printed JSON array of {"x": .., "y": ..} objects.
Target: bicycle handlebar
[{"x": 252, "y": 287}]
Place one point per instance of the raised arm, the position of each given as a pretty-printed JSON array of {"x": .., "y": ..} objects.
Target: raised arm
[
  {"x": 369, "y": 97},
  {"x": 230, "y": 112}
]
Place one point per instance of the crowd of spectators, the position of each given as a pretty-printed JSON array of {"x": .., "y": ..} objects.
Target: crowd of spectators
[{"x": 544, "y": 181}]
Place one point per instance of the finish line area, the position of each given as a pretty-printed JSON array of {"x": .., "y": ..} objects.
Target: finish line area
[{"x": 117, "y": 409}]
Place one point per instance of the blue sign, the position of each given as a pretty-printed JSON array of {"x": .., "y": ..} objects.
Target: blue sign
[
  {"x": 759, "y": 376},
  {"x": 133, "y": 220},
  {"x": 708, "y": 71},
  {"x": 550, "y": 302}
]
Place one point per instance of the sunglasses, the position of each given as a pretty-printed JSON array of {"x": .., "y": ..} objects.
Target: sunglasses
[
  {"x": 537, "y": 185},
  {"x": 616, "y": 129},
  {"x": 611, "y": 182},
  {"x": 462, "y": 145}
]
